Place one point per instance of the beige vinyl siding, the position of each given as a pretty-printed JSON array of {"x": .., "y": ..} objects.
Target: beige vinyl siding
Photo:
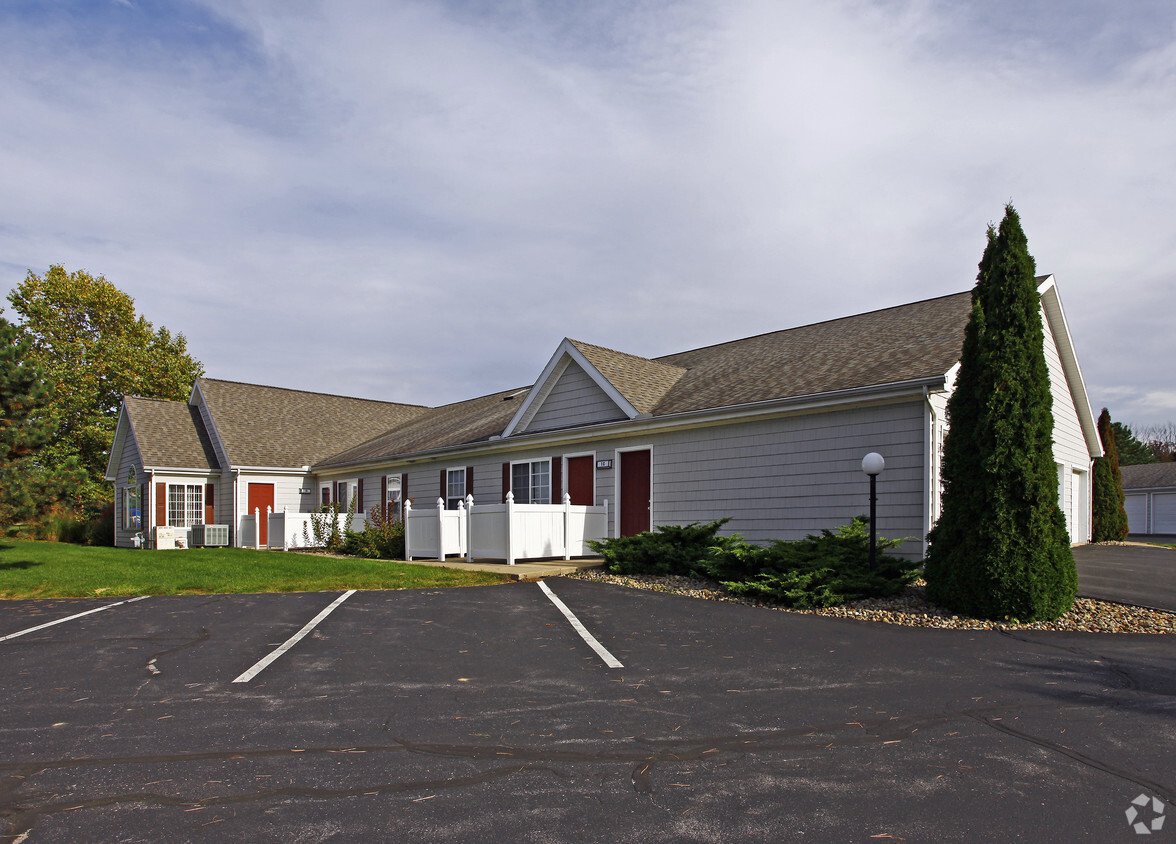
[
  {"x": 575, "y": 399},
  {"x": 1069, "y": 448}
]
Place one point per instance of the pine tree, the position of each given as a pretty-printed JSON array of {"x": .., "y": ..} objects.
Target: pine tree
[
  {"x": 1108, "y": 516},
  {"x": 28, "y": 486},
  {"x": 1132, "y": 450},
  {"x": 1001, "y": 548}
]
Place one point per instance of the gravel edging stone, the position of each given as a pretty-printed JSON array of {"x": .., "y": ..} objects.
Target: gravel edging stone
[{"x": 912, "y": 609}]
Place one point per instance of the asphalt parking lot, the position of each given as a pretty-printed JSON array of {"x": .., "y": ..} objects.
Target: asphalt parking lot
[
  {"x": 1143, "y": 575},
  {"x": 480, "y": 714}
]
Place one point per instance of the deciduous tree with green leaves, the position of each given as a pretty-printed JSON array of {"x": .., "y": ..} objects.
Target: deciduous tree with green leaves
[
  {"x": 28, "y": 484},
  {"x": 1108, "y": 514},
  {"x": 1001, "y": 548},
  {"x": 85, "y": 337}
]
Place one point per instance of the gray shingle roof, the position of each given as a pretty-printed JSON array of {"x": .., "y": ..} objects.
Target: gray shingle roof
[
  {"x": 272, "y": 426},
  {"x": 170, "y": 433},
  {"x": 464, "y": 422},
  {"x": 643, "y": 382},
  {"x": 904, "y": 343},
  {"x": 1149, "y": 475}
]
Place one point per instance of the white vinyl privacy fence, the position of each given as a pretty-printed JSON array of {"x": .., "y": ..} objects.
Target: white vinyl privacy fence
[
  {"x": 287, "y": 530},
  {"x": 506, "y": 531}
]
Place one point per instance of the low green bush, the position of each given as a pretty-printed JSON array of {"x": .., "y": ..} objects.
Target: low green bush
[
  {"x": 667, "y": 549},
  {"x": 324, "y": 529},
  {"x": 822, "y": 570},
  {"x": 382, "y": 538}
]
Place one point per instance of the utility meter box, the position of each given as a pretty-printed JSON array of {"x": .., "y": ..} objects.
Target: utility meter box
[{"x": 164, "y": 537}]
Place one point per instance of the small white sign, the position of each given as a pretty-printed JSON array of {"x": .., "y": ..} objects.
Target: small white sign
[{"x": 603, "y": 464}]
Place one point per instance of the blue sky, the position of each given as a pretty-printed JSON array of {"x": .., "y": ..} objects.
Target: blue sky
[{"x": 417, "y": 201}]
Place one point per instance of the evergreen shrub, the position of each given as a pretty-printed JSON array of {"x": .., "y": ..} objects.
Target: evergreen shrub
[
  {"x": 1000, "y": 548},
  {"x": 824, "y": 570},
  {"x": 818, "y": 571},
  {"x": 666, "y": 550},
  {"x": 1108, "y": 510}
]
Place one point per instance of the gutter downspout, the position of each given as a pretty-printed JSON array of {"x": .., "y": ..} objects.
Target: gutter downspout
[
  {"x": 152, "y": 508},
  {"x": 929, "y": 479},
  {"x": 236, "y": 523}
]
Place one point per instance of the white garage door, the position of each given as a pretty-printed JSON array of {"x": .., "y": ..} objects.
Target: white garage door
[
  {"x": 1164, "y": 512},
  {"x": 1136, "y": 505}
]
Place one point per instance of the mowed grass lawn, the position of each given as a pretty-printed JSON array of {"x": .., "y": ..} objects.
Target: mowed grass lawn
[{"x": 59, "y": 570}]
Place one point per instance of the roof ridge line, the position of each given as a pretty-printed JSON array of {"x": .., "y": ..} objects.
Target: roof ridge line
[
  {"x": 309, "y": 392},
  {"x": 661, "y": 358}
]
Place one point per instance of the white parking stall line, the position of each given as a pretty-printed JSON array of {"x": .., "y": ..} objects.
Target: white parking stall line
[
  {"x": 263, "y": 663},
  {"x": 71, "y": 618},
  {"x": 609, "y": 660}
]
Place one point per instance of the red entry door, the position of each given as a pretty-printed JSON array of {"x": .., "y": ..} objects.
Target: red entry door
[
  {"x": 581, "y": 482},
  {"x": 635, "y": 491},
  {"x": 261, "y": 496}
]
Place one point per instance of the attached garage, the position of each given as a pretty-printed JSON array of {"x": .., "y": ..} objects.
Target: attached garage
[{"x": 1150, "y": 492}]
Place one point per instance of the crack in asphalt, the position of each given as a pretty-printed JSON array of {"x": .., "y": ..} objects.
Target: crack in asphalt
[
  {"x": 23, "y": 811},
  {"x": 1162, "y": 791}
]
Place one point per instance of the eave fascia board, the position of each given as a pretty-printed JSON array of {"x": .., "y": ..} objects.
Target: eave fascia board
[
  {"x": 657, "y": 424},
  {"x": 1051, "y": 304},
  {"x": 214, "y": 433},
  {"x": 274, "y": 470},
  {"x": 178, "y": 470},
  {"x": 116, "y": 445},
  {"x": 555, "y": 367}
]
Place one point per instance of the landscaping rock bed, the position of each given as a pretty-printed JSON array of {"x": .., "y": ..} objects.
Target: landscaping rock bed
[{"x": 912, "y": 609}]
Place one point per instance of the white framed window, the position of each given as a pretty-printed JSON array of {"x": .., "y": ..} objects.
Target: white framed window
[
  {"x": 347, "y": 494},
  {"x": 455, "y": 487},
  {"x": 185, "y": 504},
  {"x": 132, "y": 508},
  {"x": 530, "y": 481},
  {"x": 393, "y": 497}
]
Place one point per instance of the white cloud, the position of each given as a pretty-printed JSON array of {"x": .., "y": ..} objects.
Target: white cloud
[{"x": 417, "y": 201}]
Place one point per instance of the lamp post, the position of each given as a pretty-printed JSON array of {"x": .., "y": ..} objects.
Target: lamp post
[{"x": 872, "y": 465}]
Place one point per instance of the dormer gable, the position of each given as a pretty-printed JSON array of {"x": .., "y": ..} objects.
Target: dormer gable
[{"x": 584, "y": 384}]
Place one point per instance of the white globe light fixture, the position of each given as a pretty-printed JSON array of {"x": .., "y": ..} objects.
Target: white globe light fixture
[{"x": 872, "y": 465}]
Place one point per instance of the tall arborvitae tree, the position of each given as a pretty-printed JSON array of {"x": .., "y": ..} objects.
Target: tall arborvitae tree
[
  {"x": 1108, "y": 515},
  {"x": 1001, "y": 548}
]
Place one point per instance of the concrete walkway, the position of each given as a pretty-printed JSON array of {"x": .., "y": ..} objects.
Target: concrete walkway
[{"x": 519, "y": 571}]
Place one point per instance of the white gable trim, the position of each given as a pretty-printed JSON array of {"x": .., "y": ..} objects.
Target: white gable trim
[
  {"x": 566, "y": 353},
  {"x": 1051, "y": 304},
  {"x": 198, "y": 400}
]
